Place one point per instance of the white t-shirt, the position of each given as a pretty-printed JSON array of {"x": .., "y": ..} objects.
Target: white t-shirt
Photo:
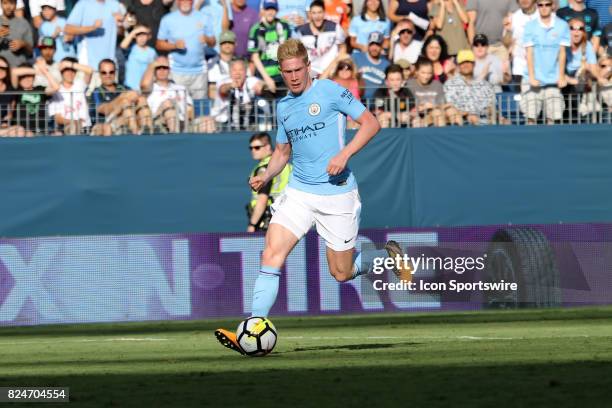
[
  {"x": 220, "y": 109},
  {"x": 323, "y": 47},
  {"x": 410, "y": 53},
  {"x": 519, "y": 55},
  {"x": 174, "y": 92},
  {"x": 71, "y": 103},
  {"x": 36, "y": 6},
  {"x": 495, "y": 75}
]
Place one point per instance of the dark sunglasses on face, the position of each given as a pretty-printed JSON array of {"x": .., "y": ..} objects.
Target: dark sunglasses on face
[
  {"x": 107, "y": 72},
  {"x": 163, "y": 67},
  {"x": 406, "y": 31},
  {"x": 577, "y": 28},
  {"x": 256, "y": 148},
  {"x": 544, "y": 5},
  {"x": 345, "y": 67}
]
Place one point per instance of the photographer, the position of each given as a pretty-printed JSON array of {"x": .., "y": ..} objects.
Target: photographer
[{"x": 15, "y": 35}]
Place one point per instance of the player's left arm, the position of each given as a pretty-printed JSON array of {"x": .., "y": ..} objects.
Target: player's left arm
[{"x": 368, "y": 128}]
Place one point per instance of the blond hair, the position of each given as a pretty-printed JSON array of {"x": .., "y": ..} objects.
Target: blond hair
[{"x": 292, "y": 48}]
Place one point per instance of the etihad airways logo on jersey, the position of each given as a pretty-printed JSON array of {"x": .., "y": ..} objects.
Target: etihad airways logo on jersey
[{"x": 304, "y": 132}]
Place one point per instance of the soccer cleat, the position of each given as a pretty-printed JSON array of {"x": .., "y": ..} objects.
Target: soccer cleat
[
  {"x": 228, "y": 339},
  {"x": 402, "y": 273}
]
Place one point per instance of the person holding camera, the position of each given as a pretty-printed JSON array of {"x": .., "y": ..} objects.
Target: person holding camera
[{"x": 15, "y": 35}]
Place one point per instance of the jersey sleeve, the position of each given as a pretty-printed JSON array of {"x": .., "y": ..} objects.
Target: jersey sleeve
[
  {"x": 281, "y": 134},
  {"x": 163, "y": 33},
  {"x": 344, "y": 100},
  {"x": 76, "y": 15}
]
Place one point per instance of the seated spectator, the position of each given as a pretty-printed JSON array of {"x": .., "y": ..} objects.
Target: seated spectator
[
  {"x": 218, "y": 67},
  {"x": 46, "y": 47},
  {"x": 69, "y": 105},
  {"x": 472, "y": 97},
  {"x": 488, "y": 66},
  {"x": 371, "y": 20},
  {"x": 392, "y": 103},
  {"x": 36, "y": 9},
  {"x": 171, "y": 103},
  {"x": 449, "y": 19},
  {"x": 53, "y": 26},
  {"x": 413, "y": 10},
  {"x": 139, "y": 55},
  {"x": 434, "y": 50},
  {"x": 30, "y": 112},
  {"x": 589, "y": 17},
  {"x": 234, "y": 104},
  {"x": 264, "y": 39},
  {"x": 117, "y": 107},
  {"x": 372, "y": 65},
  {"x": 604, "y": 81},
  {"x": 545, "y": 39},
  {"x": 431, "y": 106},
  {"x": 323, "y": 39},
  {"x": 7, "y": 102},
  {"x": 403, "y": 44},
  {"x": 16, "y": 41}
]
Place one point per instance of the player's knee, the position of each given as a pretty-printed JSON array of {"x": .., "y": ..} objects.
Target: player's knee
[
  {"x": 270, "y": 256},
  {"x": 340, "y": 274}
]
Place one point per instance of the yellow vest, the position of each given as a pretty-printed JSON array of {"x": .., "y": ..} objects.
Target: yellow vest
[{"x": 278, "y": 183}]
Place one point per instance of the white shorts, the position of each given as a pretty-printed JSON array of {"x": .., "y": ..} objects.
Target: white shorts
[{"x": 336, "y": 217}]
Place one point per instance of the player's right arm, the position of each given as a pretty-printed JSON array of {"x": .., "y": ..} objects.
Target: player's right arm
[{"x": 278, "y": 161}]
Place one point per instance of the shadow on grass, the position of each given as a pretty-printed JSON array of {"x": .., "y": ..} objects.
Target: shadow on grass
[
  {"x": 366, "y": 346},
  {"x": 537, "y": 385}
]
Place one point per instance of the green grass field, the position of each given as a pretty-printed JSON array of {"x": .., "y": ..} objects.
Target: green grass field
[{"x": 512, "y": 358}]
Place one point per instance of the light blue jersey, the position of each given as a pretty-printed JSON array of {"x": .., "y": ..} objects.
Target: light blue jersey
[
  {"x": 314, "y": 124},
  {"x": 546, "y": 42},
  {"x": 62, "y": 49}
]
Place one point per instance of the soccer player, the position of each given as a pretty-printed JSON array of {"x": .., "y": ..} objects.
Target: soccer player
[{"x": 322, "y": 189}]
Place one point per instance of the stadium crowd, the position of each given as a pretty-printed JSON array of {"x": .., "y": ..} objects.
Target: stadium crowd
[{"x": 107, "y": 67}]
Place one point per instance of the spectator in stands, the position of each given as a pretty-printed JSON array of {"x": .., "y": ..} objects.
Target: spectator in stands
[
  {"x": 171, "y": 103},
  {"x": 117, "y": 107},
  {"x": 7, "y": 102},
  {"x": 36, "y": 9},
  {"x": 30, "y": 112},
  {"x": 408, "y": 69},
  {"x": 139, "y": 55},
  {"x": 434, "y": 50},
  {"x": 323, "y": 39},
  {"x": 219, "y": 67},
  {"x": 489, "y": 18},
  {"x": 488, "y": 66},
  {"x": 448, "y": 19},
  {"x": 603, "y": 9},
  {"x": 242, "y": 19},
  {"x": 513, "y": 38},
  {"x": 431, "y": 107},
  {"x": 403, "y": 44},
  {"x": 235, "y": 101},
  {"x": 545, "y": 40},
  {"x": 338, "y": 12},
  {"x": 413, "y": 10},
  {"x": 293, "y": 11},
  {"x": 69, "y": 105},
  {"x": 95, "y": 22},
  {"x": 183, "y": 34},
  {"x": 605, "y": 80},
  {"x": 15, "y": 35},
  {"x": 371, "y": 20},
  {"x": 372, "y": 65},
  {"x": 344, "y": 72},
  {"x": 578, "y": 8},
  {"x": 264, "y": 39},
  {"x": 214, "y": 9},
  {"x": 19, "y": 11},
  {"x": 148, "y": 13},
  {"x": 606, "y": 44},
  {"x": 53, "y": 26},
  {"x": 46, "y": 47},
  {"x": 392, "y": 103},
  {"x": 472, "y": 97}
]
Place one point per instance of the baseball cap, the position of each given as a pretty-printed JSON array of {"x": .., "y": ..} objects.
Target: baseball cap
[
  {"x": 50, "y": 3},
  {"x": 227, "y": 36},
  {"x": 46, "y": 42},
  {"x": 375, "y": 37},
  {"x": 480, "y": 39},
  {"x": 465, "y": 56},
  {"x": 268, "y": 4}
]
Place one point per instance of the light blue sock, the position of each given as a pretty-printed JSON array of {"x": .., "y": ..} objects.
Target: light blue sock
[
  {"x": 363, "y": 261},
  {"x": 265, "y": 291}
]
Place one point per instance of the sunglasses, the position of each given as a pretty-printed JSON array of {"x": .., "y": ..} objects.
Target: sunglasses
[
  {"x": 345, "y": 67},
  {"x": 406, "y": 31},
  {"x": 107, "y": 72},
  {"x": 577, "y": 28},
  {"x": 256, "y": 148},
  {"x": 3, "y": 67},
  {"x": 163, "y": 67},
  {"x": 541, "y": 5}
]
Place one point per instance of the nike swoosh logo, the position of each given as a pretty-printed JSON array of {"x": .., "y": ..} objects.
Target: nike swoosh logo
[
  {"x": 346, "y": 241},
  {"x": 285, "y": 118}
]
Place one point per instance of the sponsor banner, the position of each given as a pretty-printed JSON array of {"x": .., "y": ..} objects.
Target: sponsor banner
[{"x": 195, "y": 276}]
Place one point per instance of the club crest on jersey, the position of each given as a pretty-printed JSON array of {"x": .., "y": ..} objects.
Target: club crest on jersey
[{"x": 314, "y": 109}]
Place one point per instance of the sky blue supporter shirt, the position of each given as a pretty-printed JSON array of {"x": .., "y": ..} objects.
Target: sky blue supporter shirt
[
  {"x": 361, "y": 28},
  {"x": 546, "y": 42},
  {"x": 314, "y": 124},
  {"x": 62, "y": 49},
  {"x": 137, "y": 62},
  {"x": 101, "y": 43},
  {"x": 177, "y": 26},
  {"x": 574, "y": 59}
]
